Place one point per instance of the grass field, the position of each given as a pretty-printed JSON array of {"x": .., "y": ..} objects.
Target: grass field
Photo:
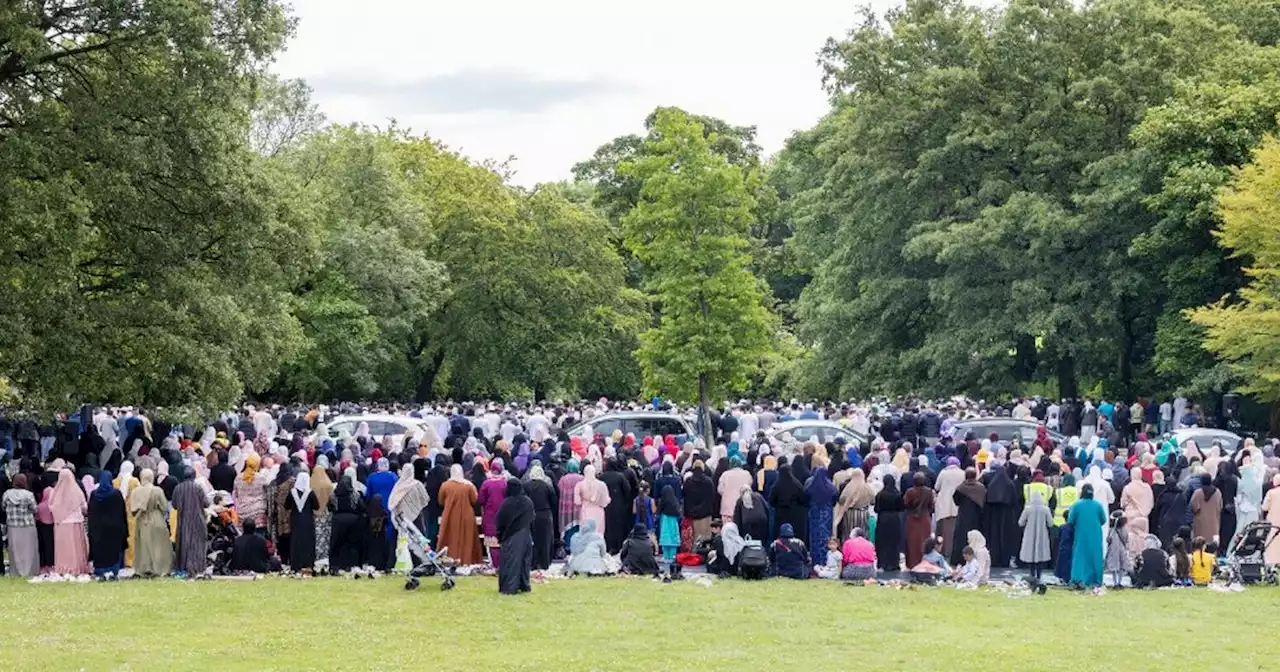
[{"x": 621, "y": 624}]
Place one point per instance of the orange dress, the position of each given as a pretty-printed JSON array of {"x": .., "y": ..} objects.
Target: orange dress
[{"x": 458, "y": 532}]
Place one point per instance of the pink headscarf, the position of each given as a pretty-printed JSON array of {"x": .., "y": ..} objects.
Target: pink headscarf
[
  {"x": 68, "y": 503},
  {"x": 43, "y": 513}
]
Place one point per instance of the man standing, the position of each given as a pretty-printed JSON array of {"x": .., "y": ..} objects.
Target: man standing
[{"x": 1166, "y": 417}]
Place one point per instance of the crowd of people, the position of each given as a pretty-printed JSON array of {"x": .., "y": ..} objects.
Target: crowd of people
[{"x": 505, "y": 486}]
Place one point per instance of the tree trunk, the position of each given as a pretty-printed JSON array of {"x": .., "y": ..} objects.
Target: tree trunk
[
  {"x": 427, "y": 381},
  {"x": 704, "y": 410},
  {"x": 1068, "y": 385}
]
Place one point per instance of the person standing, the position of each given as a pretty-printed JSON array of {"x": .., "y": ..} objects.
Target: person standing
[
  {"x": 514, "y": 531},
  {"x": 108, "y": 527},
  {"x": 822, "y": 496},
  {"x": 68, "y": 506},
  {"x": 545, "y": 506},
  {"x": 888, "y": 504},
  {"x": 946, "y": 509},
  {"x": 969, "y": 497},
  {"x": 1206, "y": 510},
  {"x": 1036, "y": 521},
  {"x": 591, "y": 496},
  {"x": 919, "y": 502},
  {"x": 1087, "y": 518},
  {"x": 20, "y": 515},
  {"x": 458, "y": 533},
  {"x": 302, "y": 505},
  {"x": 154, "y": 553}
]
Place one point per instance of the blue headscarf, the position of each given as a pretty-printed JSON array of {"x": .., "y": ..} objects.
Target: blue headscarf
[
  {"x": 104, "y": 485},
  {"x": 820, "y": 488},
  {"x": 931, "y": 455},
  {"x": 733, "y": 450},
  {"x": 854, "y": 457}
]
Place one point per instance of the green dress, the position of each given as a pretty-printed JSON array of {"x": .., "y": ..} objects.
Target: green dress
[{"x": 1088, "y": 518}]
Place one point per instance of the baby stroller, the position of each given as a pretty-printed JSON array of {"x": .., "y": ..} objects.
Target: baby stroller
[
  {"x": 420, "y": 546},
  {"x": 1246, "y": 564}
]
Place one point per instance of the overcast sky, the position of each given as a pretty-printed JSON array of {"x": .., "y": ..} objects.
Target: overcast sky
[{"x": 549, "y": 81}]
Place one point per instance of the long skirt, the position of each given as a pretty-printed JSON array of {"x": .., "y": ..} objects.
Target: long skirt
[
  {"x": 819, "y": 532},
  {"x": 324, "y": 534},
  {"x": 858, "y": 572},
  {"x": 701, "y": 527},
  {"x": 852, "y": 519},
  {"x": 946, "y": 530},
  {"x": 669, "y": 536},
  {"x": 44, "y": 534},
  {"x": 514, "y": 564},
  {"x": 686, "y": 535},
  {"x": 543, "y": 537},
  {"x": 24, "y": 551},
  {"x": 70, "y": 549}
]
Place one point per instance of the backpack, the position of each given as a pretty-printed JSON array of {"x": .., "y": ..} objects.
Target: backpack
[{"x": 753, "y": 561}]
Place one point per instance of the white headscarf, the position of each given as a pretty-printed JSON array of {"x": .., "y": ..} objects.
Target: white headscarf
[
  {"x": 126, "y": 478},
  {"x": 350, "y": 473},
  {"x": 301, "y": 489},
  {"x": 733, "y": 541},
  {"x": 457, "y": 475}
]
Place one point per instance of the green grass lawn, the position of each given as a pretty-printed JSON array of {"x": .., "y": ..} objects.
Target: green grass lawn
[{"x": 621, "y": 624}]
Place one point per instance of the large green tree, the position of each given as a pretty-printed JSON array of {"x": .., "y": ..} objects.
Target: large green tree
[
  {"x": 142, "y": 247},
  {"x": 689, "y": 227}
]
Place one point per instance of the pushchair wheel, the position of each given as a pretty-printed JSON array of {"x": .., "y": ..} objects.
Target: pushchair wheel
[
  {"x": 447, "y": 585},
  {"x": 411, "y": 584},
  {"x": 1041, "y": 589}
]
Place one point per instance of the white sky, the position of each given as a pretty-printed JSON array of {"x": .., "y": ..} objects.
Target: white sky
[{"x": 548, "y": 81}]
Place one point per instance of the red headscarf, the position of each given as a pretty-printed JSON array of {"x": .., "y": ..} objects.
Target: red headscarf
[
  {"x": 648, "y": 441},
  {"x": 576, "y": 445},
  {"x": 375, "y": 454},
  {"x": 669, "y": 445}
]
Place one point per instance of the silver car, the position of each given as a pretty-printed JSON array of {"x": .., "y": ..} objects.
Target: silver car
[
  {"x": 795, "y": 432},
  {"x": 639, "y": 423},
  {"x": 1205, "y": 436}
]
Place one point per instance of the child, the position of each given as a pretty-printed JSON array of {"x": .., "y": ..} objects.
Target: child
[
  {"x": 1181, "y": 563},
  {"x": 831, "y": 570},
  {"x": 933, "y": 557},
  {"x": 644, "y": 508},
  {"x": 1202, "y": 561},
  {"x": 1118, "y": 563},
  {"x": 968, "y": 575}
]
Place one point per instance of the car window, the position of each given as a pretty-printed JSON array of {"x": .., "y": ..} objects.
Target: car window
[
  {"x": 606, "y": 427},
  {"x": 337, "y": 429},
  {"x": 394, "y": 428},
  {"x": 803, "y": 434},
  {"x": 665, "y": 426}
]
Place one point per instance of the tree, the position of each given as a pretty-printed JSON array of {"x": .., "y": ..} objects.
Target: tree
[
  {"x": 689, "y": 227},
  {"x": 1246, "y": 331},
  {"x": 143, "y": 251}
]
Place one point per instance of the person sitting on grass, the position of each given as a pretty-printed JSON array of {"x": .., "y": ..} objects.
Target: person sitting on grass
[
  {"x": 831, "y": 570},
  {"x": 1181, "y": 562},
  {"x": 726, "y": 544},
  {"x": 1203, "y": 560},
  {"x": 968, "y": 575},
  {"x": 637, "y": 553},
  {"x": 587, "y": 551},
  {"x": 1153, "y": 566},
  {"x": 859, "y": 557},
  {"x": 933, "y": 562},
  {"x": 788, "y": 555}
]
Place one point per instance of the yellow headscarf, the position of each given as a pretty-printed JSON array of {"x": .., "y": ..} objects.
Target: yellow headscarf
[
  {"x": 251, "y": 461},
  {"x": 770, "y": 464},
  {"x": 902, "y": 460}
]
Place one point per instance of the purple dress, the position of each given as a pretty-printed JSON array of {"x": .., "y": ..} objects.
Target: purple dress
[{"x": 492, "y": 492}]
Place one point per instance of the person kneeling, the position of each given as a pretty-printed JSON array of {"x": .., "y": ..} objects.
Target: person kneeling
[
  {"x": 637, "y": 553},
  {"x": 859, "y": 556},
  {"x": 788, "y": 555}
]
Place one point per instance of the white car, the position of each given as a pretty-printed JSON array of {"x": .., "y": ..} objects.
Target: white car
[
  {"x": 795, "y": 432},
  {"x": 639, "y": 423},
  {"x": 397, "y": 426}
]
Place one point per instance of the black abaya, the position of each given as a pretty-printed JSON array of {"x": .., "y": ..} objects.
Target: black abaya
[
  {"x": 515, "y": 536},
  {"x": 545, "y": 509},
  {"x": 753, "y": 522},
  {"x": 968, "y": 518},
  {"x": 617, "y": 515},
  {"x": 108, "y": 528},
  {"x": 1000, "y": 519},
  {"x": 250, "y": 553},
  {"x": 302, "y": 535},
  {"x": 790, "y": 503},
  {"x": 346, "y": 534},
  {"x": 1173, "y": 512},
  {"x": 889, "y": 508}
]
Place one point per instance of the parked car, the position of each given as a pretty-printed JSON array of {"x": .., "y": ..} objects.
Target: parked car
[
  {"x": 397, "y": 426},
  {"x": 1005, "y": 428},
  {"x": 800, "y": 431},
  {"x": 1205, "y": 436},
  {"x": 639, "y": 423}
]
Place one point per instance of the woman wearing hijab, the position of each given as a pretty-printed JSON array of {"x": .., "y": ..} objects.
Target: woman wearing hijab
[
  {"x": 490, "y": 498},
  {"x": 458, "y": 498},
  {"x": 20, "y": 510},
  {"x": 514, "y": 531},
  {"x": 125, "y": 484},
  {"x": 1087, "y": 519},
  {"x": 587, "y": 551},
  {"x": 250, "y": 493},
  {"x": 302, "y": 505},
  {"x": 918, "y": 502},
  {"x": 729, "y": 484},
  {"x": 1227, "y": 481},
  {"x": 1036, "y": 522},
  {"x": 108, "y": 528},
  {"x": 858, "y": 557},
  {"x": 822, "y": 497},
  {"x": 1000, "y": 516},
  {"x": 767, "y": 477},
  {"x": 700, "y": 501},
  {"x": 436, "y": 477},
  {"x": 981, "y": 556},
  {"x": 546, "y": 504},
  {"x": 190, "y": 501},
  {"x": 637, "y": 553},
  {"x": 1249, "y": 496},
  {"x": 347, "y": 534},
  {"x": 323, "y": 489},
  {"x": 407, "y": 502},
  {"x": 727, "y": 545},
  {"x": 570, "y": 511},
  {"x": 669, "y": 516},
  {"x": 591, "y": 496},
  {"x": 68, "y": 506},
  {"x": 788, "y": 556},
  {"x": 278, "y": 516},
  {"x": 1271, "y": 513},
  {"x": 790, "y": 503},
  {"x": 1206, "y": 510},
  {"x": 1137, "y": 500},
  {"x": 948, "y": 480},
  {"x": 970, "y": 497},
  {"x": 888, "y": 505},
  {"x": 618, "y": 512},
  {"x": 44, "y": 531},
  {"x": 853, "y": 509},
  {"x": 154, "y": 553}
]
